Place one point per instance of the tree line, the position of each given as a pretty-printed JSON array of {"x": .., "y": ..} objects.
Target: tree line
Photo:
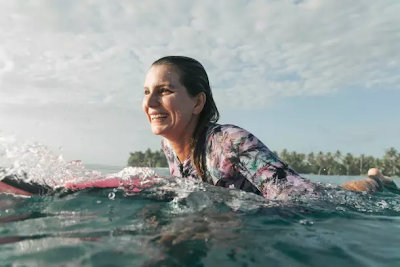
[
  {"x": 320, "y": 163},
  {"x": 338, "y": 163},
  {"x": 149, "y": 159}
]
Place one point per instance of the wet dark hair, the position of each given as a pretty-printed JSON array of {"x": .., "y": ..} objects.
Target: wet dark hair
[{"x": 194, "y": 78}]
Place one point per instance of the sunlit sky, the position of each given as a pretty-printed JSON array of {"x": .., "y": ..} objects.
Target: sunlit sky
[{"x": 309, "y": 76}]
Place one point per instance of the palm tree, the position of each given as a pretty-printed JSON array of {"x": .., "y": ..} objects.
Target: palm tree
[
  {"x": 390, "y": 158},
  {"x": 329, "y": 162},
  {"x": 296, "y": 161},
  {"x": 162, "y": 160},
  {"x": 348, "y": 161},
  {"x": 337, "y": 157},
  {"x": 320, "y": 161},
  {"x": 379, "y": 164},
  {"x": 312, "y": 162},
  {"x": 136, "y": 159},
  {"x": 148, "y": 158},
  {"x": 284, "y": 155},
  {"x": 362, "y": 160},
  {"x": 369, "y": 162}
]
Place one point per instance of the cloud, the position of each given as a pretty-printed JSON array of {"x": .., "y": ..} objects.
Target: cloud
[
  {"x": 255, "y": 51},
  {"x": 72, "y": 72}
]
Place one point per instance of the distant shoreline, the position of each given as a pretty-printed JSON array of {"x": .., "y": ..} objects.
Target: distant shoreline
[{"x": 330, "y": 164}]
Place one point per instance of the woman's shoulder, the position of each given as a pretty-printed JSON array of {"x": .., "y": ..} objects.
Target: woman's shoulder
[
  {"x": 231, "y": 135},
  {"x": 227, "y": 130}
]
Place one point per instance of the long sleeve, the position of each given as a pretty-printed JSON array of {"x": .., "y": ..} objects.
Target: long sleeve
[{"x": 237, "y": 159}]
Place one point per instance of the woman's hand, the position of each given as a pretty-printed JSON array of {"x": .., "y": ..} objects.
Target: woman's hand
[{"x": 374, "y": 182}]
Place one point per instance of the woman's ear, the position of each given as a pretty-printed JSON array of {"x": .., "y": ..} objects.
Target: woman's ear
[{"x": 200, "y": 102}]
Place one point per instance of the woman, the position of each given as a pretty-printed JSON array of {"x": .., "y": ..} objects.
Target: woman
[{"x": 180, "y": 107}]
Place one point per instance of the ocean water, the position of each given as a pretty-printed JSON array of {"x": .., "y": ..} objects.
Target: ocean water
[{"x": 187, "y": 223}]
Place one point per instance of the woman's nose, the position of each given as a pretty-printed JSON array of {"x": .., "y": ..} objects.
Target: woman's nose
[{"x": 151, "y": 100}]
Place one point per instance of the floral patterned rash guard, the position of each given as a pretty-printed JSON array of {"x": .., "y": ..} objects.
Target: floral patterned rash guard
[{"x": 237, "y": 159}]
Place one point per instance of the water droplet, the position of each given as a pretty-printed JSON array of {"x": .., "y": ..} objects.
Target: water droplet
[
  {"x": 306, "y": 222},
  {"x": 111, "y": 195},
  {"x": 98, "y": 202}
]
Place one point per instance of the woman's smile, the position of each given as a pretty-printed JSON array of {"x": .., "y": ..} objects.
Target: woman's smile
[{"x": 158, "y": 117}]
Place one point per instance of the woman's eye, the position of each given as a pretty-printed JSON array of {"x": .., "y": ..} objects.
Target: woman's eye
[
  {"x": 165, "y": 91},
  {"x": 146, "y": 92}
]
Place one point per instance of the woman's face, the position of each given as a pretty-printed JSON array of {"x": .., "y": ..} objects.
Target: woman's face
[{"x": 169, "y": 108}]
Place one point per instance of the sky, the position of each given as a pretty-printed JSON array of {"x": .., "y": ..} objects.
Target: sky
[{"x": 305, "y": 75}]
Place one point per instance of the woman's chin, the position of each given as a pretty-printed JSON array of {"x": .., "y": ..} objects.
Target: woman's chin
[{"x": 157, "y": 130}]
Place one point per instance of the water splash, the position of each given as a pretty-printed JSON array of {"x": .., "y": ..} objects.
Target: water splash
[{"x": 34, "y": 162}]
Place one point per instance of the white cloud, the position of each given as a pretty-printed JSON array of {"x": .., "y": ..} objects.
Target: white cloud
[
  {"x": 97, "y": 52},
  {"x": 57, "y": 57}
]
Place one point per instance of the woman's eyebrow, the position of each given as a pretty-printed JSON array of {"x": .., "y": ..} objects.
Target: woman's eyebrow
[{"x": 161, "y": 85}]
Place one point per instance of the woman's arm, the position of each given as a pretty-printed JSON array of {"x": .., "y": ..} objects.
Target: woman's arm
[
  {"x": 375, "y": 181},
  {"x": 238, "y": 159}
]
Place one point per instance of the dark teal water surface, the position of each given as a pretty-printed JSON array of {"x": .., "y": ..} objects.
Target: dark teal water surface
[{"x": 194, "y": 225}]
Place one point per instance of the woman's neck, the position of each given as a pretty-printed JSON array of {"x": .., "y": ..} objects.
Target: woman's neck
[
  {"x": 181, "y": 148},
  {"x": 182, "y": 143}
]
